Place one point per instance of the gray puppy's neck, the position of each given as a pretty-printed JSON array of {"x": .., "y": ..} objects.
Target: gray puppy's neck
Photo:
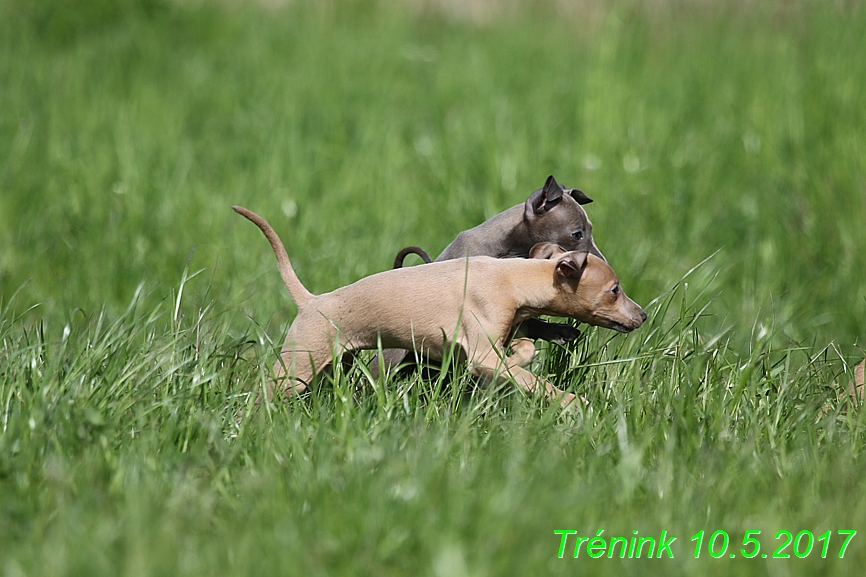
[{"x": 502, "y": 236}]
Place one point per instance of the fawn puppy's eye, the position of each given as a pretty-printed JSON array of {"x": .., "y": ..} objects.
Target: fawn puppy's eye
[
  {"x": 577, "y": 235},
  {"x": 615, "y": 290}
]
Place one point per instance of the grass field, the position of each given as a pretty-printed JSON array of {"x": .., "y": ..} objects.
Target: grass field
[{"x": 724, "y": 144}]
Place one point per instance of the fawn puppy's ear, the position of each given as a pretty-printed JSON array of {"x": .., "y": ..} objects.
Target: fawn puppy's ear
[
  {"x": 546, "y": 250},
  {"x": 543, "y": 199},
  {"x": 571, "y": 265}
]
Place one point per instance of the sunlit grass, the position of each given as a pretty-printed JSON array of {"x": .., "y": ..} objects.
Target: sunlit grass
[{"x": 722, "y": 145}]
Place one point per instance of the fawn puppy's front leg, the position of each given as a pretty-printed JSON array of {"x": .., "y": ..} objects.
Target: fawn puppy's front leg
[{"x": 495, "y": 367}]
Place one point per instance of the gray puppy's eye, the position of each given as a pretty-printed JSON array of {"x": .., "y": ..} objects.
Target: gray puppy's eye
[{"x": 577, "y": 235}]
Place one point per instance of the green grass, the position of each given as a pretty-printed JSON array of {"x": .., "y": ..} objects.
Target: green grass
[{"x": 723, "y": 145}]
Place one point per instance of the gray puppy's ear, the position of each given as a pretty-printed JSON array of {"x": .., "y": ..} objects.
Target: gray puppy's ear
[
  {"x": 544, "y": 198},
  {"x": 546, "y": 250},
  {"x": 579, "y": 196},
  {"x": 571, "y": 265}
]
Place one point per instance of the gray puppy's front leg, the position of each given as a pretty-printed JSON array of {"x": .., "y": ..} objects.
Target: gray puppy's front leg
[{"x": 559, "y": 333}]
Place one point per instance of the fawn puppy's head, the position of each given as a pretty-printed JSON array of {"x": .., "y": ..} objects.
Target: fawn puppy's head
[{"x": 589, "y": 289}]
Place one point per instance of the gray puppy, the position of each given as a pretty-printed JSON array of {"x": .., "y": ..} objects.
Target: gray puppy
[{"x": 551, "y": 214}]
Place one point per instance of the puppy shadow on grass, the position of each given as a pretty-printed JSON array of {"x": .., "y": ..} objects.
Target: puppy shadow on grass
[{"x": 418, "y": 385}]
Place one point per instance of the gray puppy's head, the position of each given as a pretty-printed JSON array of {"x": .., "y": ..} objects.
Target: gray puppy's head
[{"x": 554, "y": 214}]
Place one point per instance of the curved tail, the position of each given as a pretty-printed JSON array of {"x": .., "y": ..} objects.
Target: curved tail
[
  {"x": 299, "y": 292},
  {"x": 398, "y": 262}
]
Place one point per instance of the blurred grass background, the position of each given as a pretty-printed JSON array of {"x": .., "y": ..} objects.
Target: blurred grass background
[{"x": 128, "y": 128}]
